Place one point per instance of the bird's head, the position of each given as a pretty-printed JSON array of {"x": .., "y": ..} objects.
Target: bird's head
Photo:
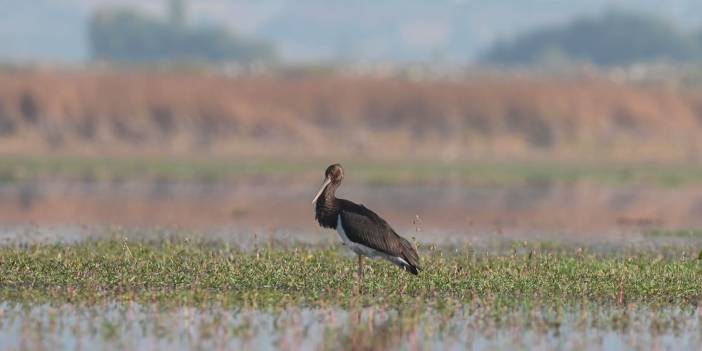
[{"x": 333, "y": 175}]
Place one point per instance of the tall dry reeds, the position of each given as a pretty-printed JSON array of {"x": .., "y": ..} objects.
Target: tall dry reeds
[{"x": 127, "y": 112}]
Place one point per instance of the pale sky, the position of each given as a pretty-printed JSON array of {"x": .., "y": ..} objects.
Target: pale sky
[{"x": 46, "y": 30}]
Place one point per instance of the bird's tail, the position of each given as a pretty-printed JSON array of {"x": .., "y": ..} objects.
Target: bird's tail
[
  {"x": 412, "y": 269},
  {"x": 411, "y": 257}
]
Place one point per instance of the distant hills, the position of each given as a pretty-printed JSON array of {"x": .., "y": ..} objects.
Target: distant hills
[{"x": 443, "y": 31}]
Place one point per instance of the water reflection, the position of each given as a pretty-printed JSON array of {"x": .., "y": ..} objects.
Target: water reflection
[
  {"x": 584, "y": 209},
  {"x": 133, "y": 326}
]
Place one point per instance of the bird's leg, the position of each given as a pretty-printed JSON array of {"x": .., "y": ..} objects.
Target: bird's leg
[{"x": 360, "y": 273}]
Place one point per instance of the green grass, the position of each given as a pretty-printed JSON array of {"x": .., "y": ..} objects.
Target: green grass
[
  {"x": 180, "y": 272},
  {"x": 480, "y": 173},
  {"x": 674, "y": 233}
]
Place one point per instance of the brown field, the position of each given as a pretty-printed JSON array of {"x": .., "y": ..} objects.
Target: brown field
[{"x": 95, "y": 112}]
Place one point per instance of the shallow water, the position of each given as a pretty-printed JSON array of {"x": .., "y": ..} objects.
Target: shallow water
[
  {"x": 615, "y": 242},
  {"x": 578, "y": 209},
  {"x": 132, "y": 326}
]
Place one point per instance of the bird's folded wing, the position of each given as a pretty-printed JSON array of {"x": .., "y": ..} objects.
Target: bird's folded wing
[{"x": 372, "y": 231}]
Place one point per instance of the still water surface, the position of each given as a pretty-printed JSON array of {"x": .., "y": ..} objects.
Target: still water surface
[{"x": 120, "y": 326}]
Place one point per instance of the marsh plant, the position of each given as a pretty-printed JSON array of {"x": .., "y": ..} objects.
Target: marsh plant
[{"x": 179, "y": 293}]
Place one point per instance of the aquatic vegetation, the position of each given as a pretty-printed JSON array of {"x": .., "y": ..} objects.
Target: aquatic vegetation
[
  {"x": 183, "y": 272},
  {"x": 182, "y": 294}
]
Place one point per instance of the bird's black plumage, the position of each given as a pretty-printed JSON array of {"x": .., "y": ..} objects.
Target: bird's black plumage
[{"x": 361, "y": 225}]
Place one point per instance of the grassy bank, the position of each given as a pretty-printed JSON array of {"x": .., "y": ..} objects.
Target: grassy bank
[
  {"x": 199, "y": 274},
  {"x": 478, "y": 173}
]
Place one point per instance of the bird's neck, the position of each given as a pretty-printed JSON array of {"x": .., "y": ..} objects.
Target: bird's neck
[{"x": 327, "y": 208}]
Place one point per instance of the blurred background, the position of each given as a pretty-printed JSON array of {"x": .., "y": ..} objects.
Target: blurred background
[{"x": 454, "y": 118}]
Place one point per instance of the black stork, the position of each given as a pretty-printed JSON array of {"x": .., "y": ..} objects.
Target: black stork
[{"x": 360, "y": 229}]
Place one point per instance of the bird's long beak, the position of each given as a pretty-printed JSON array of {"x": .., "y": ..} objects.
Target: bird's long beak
[{"x": 324, "y": 185}]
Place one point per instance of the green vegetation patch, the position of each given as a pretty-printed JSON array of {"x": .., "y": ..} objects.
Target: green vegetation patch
[
  {"x": 675, "y": 233},
  {"x": 398, "y": 172},
  {"x": 180, "y": 272}
]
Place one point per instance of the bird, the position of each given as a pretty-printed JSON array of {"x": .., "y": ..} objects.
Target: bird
[{"x": 360, "y": 229}]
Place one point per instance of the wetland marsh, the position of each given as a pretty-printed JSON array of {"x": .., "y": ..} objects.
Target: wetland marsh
[
  {"x": 194, "y": 294},
  {"x": 181, "y": 255}
]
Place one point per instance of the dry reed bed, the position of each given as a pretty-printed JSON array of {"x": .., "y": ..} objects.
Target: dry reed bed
[{"x": 130, "y": 112}]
